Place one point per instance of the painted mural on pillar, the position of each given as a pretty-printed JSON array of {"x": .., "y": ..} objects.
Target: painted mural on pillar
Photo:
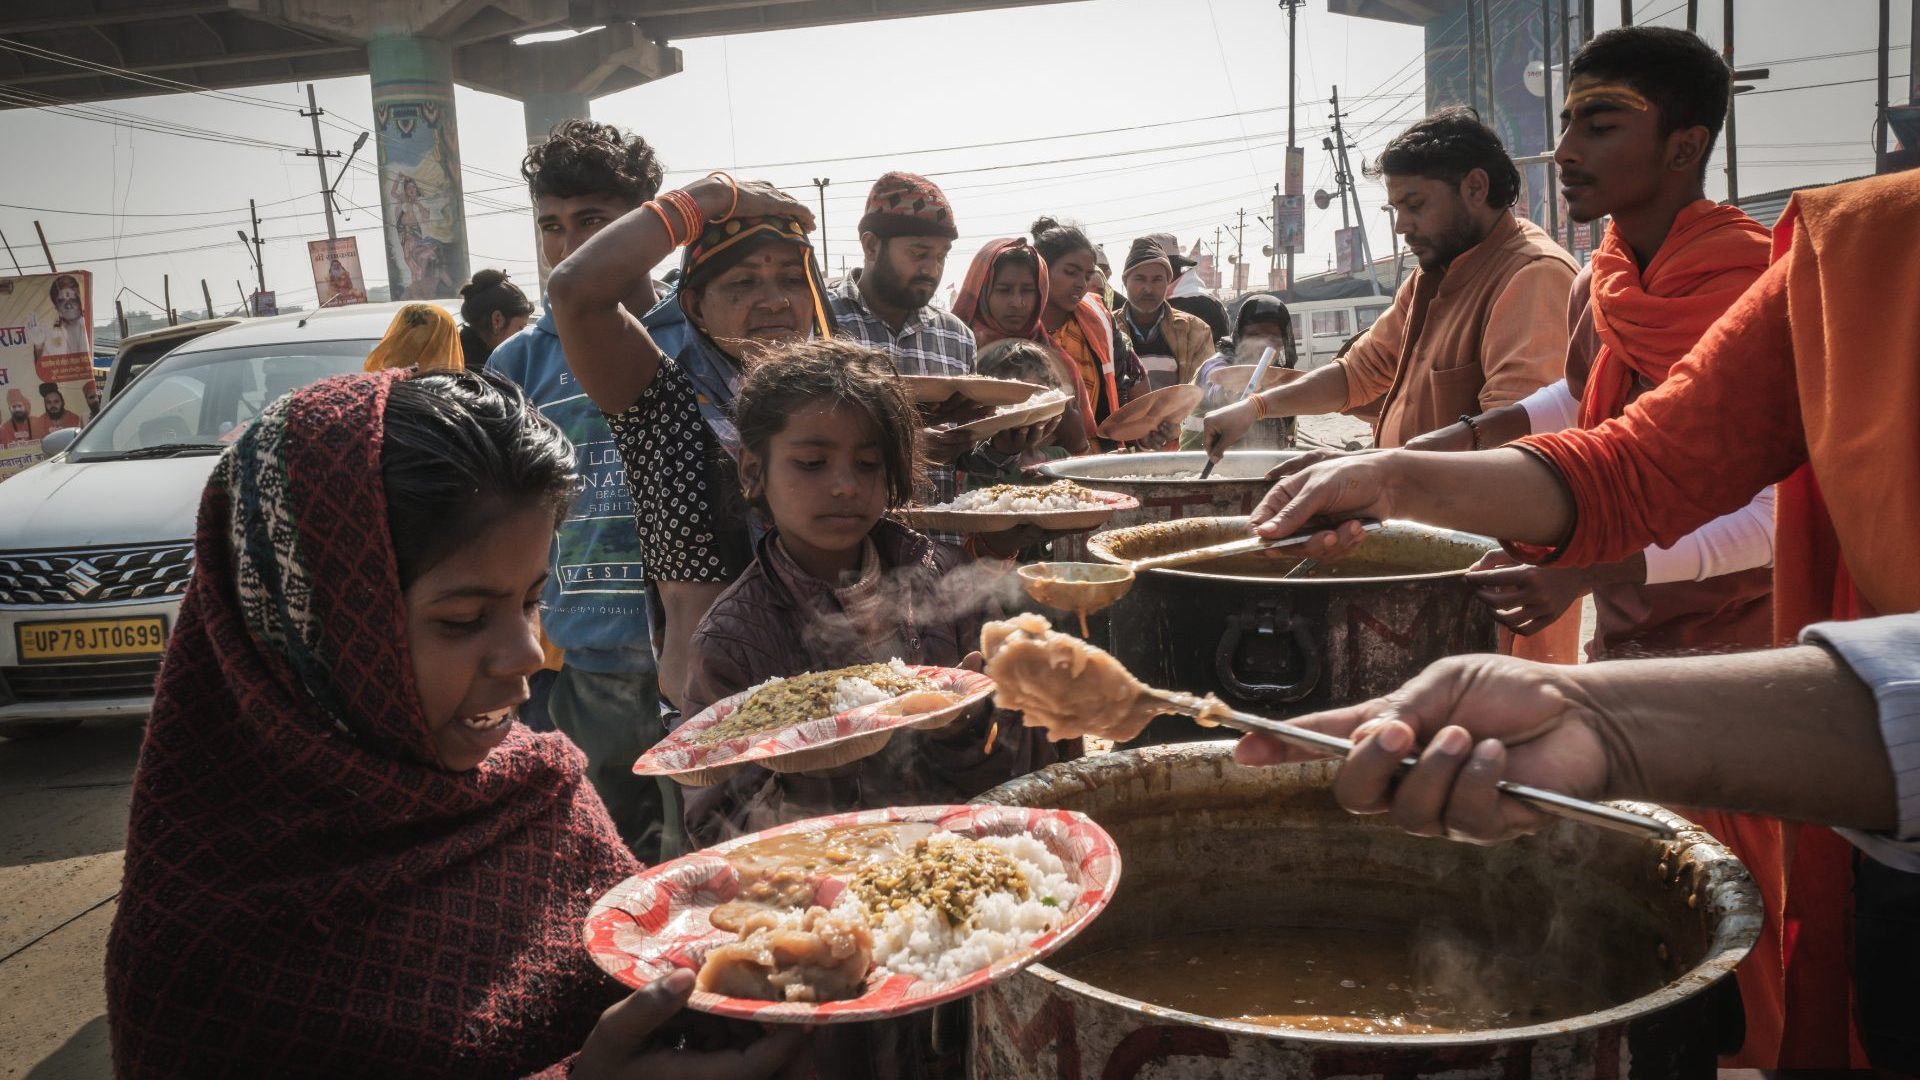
[
  {"x": 420, "y": 181},
  {"x": 1457, "y": 75}
]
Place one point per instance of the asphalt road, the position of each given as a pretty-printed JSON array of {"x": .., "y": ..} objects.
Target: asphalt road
[{"x": 63, "y": 821}]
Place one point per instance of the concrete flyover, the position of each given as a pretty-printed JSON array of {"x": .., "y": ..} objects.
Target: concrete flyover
[{"x": 59, "y": 52}]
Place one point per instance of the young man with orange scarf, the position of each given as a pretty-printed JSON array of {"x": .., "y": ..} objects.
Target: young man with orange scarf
[
  {"x": 1807, "y": 382},
  {"x": 1643, "y": 108}
]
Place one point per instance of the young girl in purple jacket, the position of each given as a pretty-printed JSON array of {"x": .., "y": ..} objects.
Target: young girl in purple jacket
[{"x": 827, "y": 448}]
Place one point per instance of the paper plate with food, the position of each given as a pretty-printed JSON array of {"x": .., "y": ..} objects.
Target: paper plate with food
[
  {"x": 934, "y": 389},
  {"x": 819, "y": 720},
  {"x": 1035, "y": 409},
  {"x": 860, "y": 916},
  {"x": 1062, "y": 506},
  {"x": 1138, "y": 418}
]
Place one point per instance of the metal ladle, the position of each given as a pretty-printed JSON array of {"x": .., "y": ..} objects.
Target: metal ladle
[{"x": 1209, "y": 709}]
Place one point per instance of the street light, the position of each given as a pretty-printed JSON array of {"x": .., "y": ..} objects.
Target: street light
[{"x": 821, "y": 183}]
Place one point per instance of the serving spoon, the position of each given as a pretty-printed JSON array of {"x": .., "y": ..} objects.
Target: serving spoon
[{"x": 1211, "y": 710}]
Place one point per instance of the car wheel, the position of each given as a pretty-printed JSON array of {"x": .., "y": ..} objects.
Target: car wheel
[{"x": 36, "y": 729}]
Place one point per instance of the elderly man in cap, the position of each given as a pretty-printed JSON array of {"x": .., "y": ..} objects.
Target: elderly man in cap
[
  {"x": 1171, "y": 343},
  {"x": 904, "y": 237}
]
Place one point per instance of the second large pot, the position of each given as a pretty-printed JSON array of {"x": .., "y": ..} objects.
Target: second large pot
[{"x": 1354, "y": 629}]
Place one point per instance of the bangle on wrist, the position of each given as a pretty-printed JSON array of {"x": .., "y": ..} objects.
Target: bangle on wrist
[
  {"x": 1259, "y": 406},
  {"x": 666, "y": 220},
  {"x": 1473, "y": 429},
  {"x": 733, "y": 186},
  {"x": 688, "y": 210}
]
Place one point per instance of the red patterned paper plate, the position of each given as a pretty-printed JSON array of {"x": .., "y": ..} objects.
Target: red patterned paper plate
[
  {"x": 823, "y": 743},
  {"x": 656, "y": 921}
]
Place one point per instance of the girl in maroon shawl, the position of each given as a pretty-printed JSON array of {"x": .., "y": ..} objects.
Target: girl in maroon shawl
[{"x": 345, "y": 857}]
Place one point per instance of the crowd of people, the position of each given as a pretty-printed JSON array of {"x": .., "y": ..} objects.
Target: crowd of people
[{"x": 346, "y": 857}]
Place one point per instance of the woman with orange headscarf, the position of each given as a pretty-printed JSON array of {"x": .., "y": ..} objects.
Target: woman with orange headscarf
[
  {"x": 420, "y": 335},
  {"x": 1003, "y": 297}
]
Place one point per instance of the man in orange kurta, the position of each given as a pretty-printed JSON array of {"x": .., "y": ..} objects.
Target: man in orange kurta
[
  {"x": 1808, "y": 382},
  {"x": 1480, "y": 324}
]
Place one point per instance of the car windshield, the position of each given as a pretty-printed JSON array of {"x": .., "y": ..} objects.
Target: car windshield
[{"x": 198, "y": 402}]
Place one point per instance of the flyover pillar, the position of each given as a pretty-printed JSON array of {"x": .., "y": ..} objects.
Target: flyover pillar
[{"x": 419, "y": 155}]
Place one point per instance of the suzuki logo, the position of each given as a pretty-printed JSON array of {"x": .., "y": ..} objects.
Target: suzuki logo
[{"x": 81, "y": 582}]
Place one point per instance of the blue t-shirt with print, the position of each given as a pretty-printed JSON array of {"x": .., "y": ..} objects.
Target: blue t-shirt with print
[{"x": 597, "y": 598}]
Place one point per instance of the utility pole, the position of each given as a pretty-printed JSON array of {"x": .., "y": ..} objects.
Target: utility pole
[
  {"x": 1733, "y": 149},
  {"x": 1395, "y": 234},
  {"x": 1349, "y": 188},
  {"x": 44, "y": 249},
  {"x": 11, "y": 255},
  {"x": 1293, "y": 144},
  {"x": 207, "y": 295},
  {"x": 1240, "y": 249},
  {"x": 1486, "y": 54},
  {"x": 1880, "y": 114},
  {"x": 166, "y": 298},
  {"x": 241, "y": 289},
  {"x": 821, "y": 182},
  {"x": 1693, "y": 16},
  {"x": 1273, "y": 226},
  {"x": 1473, "y": 63},
  {"x": 259, "y": 247},
  {"x": 319, "y": 154},
  {"x": 1626, "y": 12},
  {"x": 120, "y": 315},
  {"x": 1552, "y": 195}
]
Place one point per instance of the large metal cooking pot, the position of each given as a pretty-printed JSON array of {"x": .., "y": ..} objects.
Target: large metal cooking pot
[
  {"x": 1353, "y": 629},
  {"x": 1209, "y": 845},
  {"x": 1168, "y": 485}
]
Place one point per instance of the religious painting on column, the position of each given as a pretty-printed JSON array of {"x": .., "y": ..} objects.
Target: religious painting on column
[{"x": 46, "y": 361}]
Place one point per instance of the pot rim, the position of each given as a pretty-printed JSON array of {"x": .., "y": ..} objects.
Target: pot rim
[
  {"x": 1724, "y": 882},
  {"x": 1099, "y": 543},
  {"x": 1065, "y": 468}
]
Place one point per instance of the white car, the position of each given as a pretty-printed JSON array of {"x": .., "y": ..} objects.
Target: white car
[{"x": 96, "y": 543}]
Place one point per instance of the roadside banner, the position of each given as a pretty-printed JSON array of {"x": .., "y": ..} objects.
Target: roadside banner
[
  {"x": 1346, "y": 250},
  {"x": 46, "y": 361},
  {"x": 336, "y": 271}
]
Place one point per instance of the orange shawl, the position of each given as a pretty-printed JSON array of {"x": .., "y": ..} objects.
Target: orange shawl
[
  {"x": 1846, "y": 524},
  {"x": 1648, "y": 322},
  {"x": 1096, "y": 325}
]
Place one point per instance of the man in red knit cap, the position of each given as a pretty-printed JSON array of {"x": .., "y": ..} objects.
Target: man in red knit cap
[{"x": 905, "y": 236}]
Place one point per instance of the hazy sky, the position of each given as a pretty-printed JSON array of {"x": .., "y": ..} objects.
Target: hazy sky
[{"x": 850, "y": 102}]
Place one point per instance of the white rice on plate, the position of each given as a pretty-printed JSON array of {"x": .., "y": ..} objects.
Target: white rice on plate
[
  {"x": 1044, "y": 397},
  {"x": 917, "y": 941},
  {"x": 1013, "y": 499}
]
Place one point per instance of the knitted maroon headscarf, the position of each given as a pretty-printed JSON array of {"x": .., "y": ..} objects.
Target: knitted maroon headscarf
[{"x": 306, "y": 892}]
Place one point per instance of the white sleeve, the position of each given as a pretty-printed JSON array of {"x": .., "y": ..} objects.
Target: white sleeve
[
  {"x": 1742, "y": 540},
  {"x": 1551, "y": 408}
]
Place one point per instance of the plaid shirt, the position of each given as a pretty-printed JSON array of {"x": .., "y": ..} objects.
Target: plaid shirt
[{"x": 931, "y": 342}]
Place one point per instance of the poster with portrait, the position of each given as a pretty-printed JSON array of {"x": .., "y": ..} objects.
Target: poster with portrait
[
  {"x": 46, "y": 361},
  {"x": 336, "y": 271}
]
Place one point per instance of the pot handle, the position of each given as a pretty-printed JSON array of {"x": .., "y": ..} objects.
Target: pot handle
[{"x": 1264, "y": 621}]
